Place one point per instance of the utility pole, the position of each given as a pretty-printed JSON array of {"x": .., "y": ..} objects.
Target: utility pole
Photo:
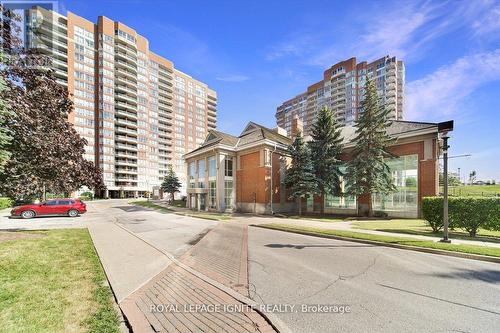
[{"x": 444, "y": 128}]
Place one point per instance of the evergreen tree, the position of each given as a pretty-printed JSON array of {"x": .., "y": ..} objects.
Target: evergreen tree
[
  {"x": 46, "y": 152},
  {"x": 367, "y": 171},
  {"x": 326, "y": 148},
  {"x": 171, "y": 183},
  {"x": 300, "y": 179}
]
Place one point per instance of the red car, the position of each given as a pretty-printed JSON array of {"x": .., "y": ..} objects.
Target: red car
[{"x": 69, "y": 207}]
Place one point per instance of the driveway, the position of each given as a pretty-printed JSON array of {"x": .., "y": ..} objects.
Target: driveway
[{"x": 387, "y": 290}]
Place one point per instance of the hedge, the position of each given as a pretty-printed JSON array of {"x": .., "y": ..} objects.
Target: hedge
[
  {"x": 468, "y": 213},
  {"x": 5, "y": 203}
]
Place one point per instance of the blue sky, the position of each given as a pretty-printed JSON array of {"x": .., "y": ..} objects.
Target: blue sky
[{"x": 256, "y": 54}]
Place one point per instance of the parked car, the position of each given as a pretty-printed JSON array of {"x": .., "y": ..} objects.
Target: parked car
[{"x": 55, "y": 207}]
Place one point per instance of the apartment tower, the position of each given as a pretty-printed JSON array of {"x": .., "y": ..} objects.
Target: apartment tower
[
  {"x": 137, "y": 112},
  {"x": 342, "y": 89}
]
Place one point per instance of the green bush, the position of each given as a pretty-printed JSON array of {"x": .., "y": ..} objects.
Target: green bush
[
  {"x": 468, "y": 213},
  {"x": 5, "y": 203},
  {"x": 432, "y": 211},
  {"x": 87, "y": 196}
]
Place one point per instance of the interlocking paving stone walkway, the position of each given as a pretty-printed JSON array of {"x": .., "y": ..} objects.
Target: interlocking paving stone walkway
[
  {"x": 223, "y": 256},
  {"x": 178, "y": 301}
]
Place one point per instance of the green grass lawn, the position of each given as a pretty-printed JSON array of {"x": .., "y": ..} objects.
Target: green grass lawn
[
  {"x": 473, "y": 190},
  {"x": 179, "y": 203},
  {"x": 54, "y": 283},
  {"x": 482, "y": 250},
  {"x": 317, "y": 218},
  {"x": 420, "y": 227},
  {"x": 149, "y": 204}
]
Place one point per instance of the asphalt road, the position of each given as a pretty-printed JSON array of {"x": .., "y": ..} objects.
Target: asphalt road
[{"x": 387, "y": 290}]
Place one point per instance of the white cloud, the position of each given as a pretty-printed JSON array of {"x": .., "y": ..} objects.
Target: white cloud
[
  {"x": 403, "y": 29},
  {"x": 489, "y": 24},
  {"x": 232, "y": 78},
  {"x": 438, "y": 94}
]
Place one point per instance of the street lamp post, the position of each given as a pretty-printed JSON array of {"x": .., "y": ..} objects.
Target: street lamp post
[{"x": 444, "y": 128}]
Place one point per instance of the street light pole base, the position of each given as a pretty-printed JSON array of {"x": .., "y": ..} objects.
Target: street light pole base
[{"x": 445, "y": 240}]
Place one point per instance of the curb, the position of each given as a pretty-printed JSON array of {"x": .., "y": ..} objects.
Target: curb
[
  {"x": 271, "y": 318},
  {"x": 397, "y": 246}
]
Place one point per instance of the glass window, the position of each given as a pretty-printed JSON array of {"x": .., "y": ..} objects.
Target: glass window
[
  {"x": 192, "y": 170},
  {"x": 228, "y": 194},
  {"x": 212, "y": 194},
  {"x": 228, "y": 167},
  {"x": 201, "y": 169},
  {"x": 342, "y": 202},
  {"x": 404, "y": 171},
  {"x": 51, "y": 203},
  {"x": 64, "y": 202},
  {"x": 212, "y": 170}
]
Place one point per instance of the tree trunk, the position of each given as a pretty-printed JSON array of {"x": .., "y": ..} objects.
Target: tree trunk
[
  {"x": 300, "y": 206},
  {"x": 370, "y": 206},
  {"x": 322, "y": 206}
]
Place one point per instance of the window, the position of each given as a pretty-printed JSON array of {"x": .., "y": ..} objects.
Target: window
[
  {"x": 404, "y": 171},
  {"x": 64, "y": 202},
  {"x": 201, "y": 169},
  {"x": 192, "y": 170},
  {"x": 212, "y": 194},
  {"x": 228, "y": 167},
  {"x": 212, "y": 169},
  {"x": 228, "y": 194},
  {"x": 342, "y": 202},
  {"x": 51, "y": 203}
]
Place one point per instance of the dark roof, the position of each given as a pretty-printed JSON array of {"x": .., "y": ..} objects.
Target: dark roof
[
  {"x": 396, "y": 128},
  {"x": 253, "y": 132}
]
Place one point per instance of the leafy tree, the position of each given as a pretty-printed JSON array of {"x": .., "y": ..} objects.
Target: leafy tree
[
  {"x": 46, "y": 152},
  {"x": 4, "y": 134},
  {"x": 367, "y": 171},
  {"x": 300, "y": 178},
  {"x": 326, "y": 147},
  {"x": 171, "y": 183}
]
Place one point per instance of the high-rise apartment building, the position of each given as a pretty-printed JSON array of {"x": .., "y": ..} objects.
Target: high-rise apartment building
[
  {"x": 342, "y": 89},
  {"x": 137, "y": 112}
]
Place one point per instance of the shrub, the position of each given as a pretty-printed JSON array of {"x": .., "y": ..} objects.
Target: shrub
[
  {"x": 5, "y": 203},
  {"x": 87, "y": 196},
  {"x": 432, "y": 211},
  {"x": 468, "y": 213}
]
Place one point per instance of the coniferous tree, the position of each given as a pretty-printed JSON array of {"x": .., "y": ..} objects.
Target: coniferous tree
[
  {"x": 171, "y": 183},
  {"x": 367, "y": 172},
  {"x": 326, "y": 147},
  {"x": 46, "y": 152},
  {"x": 300, "y": 179}
]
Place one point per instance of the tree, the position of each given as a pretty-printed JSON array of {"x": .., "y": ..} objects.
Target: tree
[
  {"x": 171, "y": 183},
  {"x": 46, "y": 152},
  {"x": 326, "y": 147},
  {"x": 300, "y": 179},
  {"x": 367, "y": 172},
  {"x": 4, "y": 134}
]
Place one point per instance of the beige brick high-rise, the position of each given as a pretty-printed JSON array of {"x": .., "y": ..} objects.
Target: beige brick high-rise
[
  {"x": 342, "y": 89},
  {"x": 138, "y": 113}
]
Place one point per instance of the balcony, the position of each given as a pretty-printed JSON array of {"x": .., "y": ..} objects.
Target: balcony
[
  {"x": 126, "y": 130},
  {"x": 125, "y": 146},
  {"x": 125, "y": 162},
  {"x": 126, "y": 106},
  {"x": 127, "y": 123},
  {"x": 126, "y": 98},
  {"x": 126, "y": 154},
  {"x": 127, "y": 90},
  {"x": 126, "y": 114}
]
